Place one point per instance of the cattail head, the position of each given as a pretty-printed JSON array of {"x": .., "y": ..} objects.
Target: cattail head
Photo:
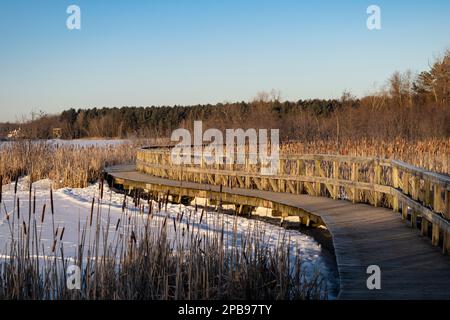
[
  {"x": 102, "y": 188},
  {"x": 52, "y": 207},
  {"x": 15, "y": 184},
  {"x": 43, "y": 213},
  {"x": 92, "y": 211}
]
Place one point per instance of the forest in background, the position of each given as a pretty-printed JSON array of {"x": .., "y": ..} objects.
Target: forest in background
[{"x": 410, "y": 106}]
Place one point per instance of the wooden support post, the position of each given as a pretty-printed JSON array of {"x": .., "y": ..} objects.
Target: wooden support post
[
  {"x": 300, "y": 172},
  {"x": 308, "y": 222},
  {"x": 415, "y": 188},
  {"x": 404, "y": 211},
  {"x": 413, "y": 222},
  {"x": 437, "y": 199},
  {"x": 355, "y": 177},
  {"x": 405, "y": 180},
  {"x": 202, "y": 166},
  {"x": 281, "y": 172},
  {"x": 377, "y": 180},
  {"x": 335, "y": 177},
  {"x": 446, "y": 243},
  {"x": 424, "y": 228},
  {"x": 426, "y": 193},
  {"x": 395, "y": 206},
  {"x": 435, "y": 235},
  {"x": 447, "y": 204},
  {"x": 317, "y": 174}
]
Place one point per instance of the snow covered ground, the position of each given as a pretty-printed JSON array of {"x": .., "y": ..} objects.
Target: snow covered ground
[
  {"x": 80, "y": 142},
  {"x": 72, "y": 209},
  {"x": 90, "y": 142}
]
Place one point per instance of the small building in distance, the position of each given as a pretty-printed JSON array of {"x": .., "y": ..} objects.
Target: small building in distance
[{"x": 57, "y": 133}]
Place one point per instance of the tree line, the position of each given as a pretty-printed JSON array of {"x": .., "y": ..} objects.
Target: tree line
[{"x": 407, "y": 106}]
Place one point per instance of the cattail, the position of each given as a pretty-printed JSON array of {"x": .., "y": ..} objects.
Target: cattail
[
  {"x": 43, "y": 213},
  {"x": 92, "y": 211},
  {"x": 101, "y": 188},
  {"x": 51, "y": 201},
  {"x": 15, "y": 184},
  {"x": 201, "y": 216},
  {"x": 181, "y": 217},
  {"x": 34, "y": 202},
  {"x": 117, "y": 225},
  {"x": 62, "y": 233},
  {"x": 1, "y": 188},
  {"x": 18, "y": 209},
  {"x": 24, "y": 227}
]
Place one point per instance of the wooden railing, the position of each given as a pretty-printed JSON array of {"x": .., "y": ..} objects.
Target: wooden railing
[{"x": 422, "y": 197}]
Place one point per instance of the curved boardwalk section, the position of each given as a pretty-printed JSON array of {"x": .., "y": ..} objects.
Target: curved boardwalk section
[{"x": 363, "y": 235}]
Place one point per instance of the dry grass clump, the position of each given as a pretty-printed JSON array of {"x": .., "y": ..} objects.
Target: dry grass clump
[
  {"x": 66, "y": 165},
  {"x": 431, "y": 154},
  {"x": 142, "y": 257}
]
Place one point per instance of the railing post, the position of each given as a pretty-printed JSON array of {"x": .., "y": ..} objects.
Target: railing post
[
  {"x": 335, "y": 177},
  {"x": 446, "y": 243},
  {"x": 377, "y": 181},
  {"x": 413, "y": 219},
  {"x": 415, "y": 188},
  {"x": 424, "y": 228},
  {"x": 355, "y": 178},
  {"x": 395, "y": 186},
  {"x": 437, "y": 199},
  {"x": 317, "y": 174},
  {"x": 435, "y": 235},
  {"x": 405, "y": 182},
  {"x": 447, "y": 204},
  {"x": 404, "y": 211},
  {"x": 247, "y": 170},
  {"x": 281, "y": 181},
  {"x": 426, "y": 192},
  {"x": 202, "y": 166},
  {"x": 300, "y": 172}
]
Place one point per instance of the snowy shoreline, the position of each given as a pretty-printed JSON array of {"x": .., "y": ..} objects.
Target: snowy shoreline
[{"x": 73, "y": 207}]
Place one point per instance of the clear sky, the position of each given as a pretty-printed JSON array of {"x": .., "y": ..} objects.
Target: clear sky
[{"x": 206, "y": 51}]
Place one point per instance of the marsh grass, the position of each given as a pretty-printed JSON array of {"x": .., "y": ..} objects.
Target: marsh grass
[
  {"x": 149, "y": 254},
  {"x": 66, "y": 165},
  {"x": 431, "y": 154}
]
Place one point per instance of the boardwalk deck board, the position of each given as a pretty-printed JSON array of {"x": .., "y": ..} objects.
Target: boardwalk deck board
[{"x": 362, "y": 236}]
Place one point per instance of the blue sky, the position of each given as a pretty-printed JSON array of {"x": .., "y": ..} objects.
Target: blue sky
[{"x": 197, "y": 51}]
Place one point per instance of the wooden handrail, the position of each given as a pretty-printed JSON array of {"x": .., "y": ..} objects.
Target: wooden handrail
[{"x": 423, "y": 197}]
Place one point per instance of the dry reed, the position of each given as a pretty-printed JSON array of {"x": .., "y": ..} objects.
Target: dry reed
[
  {"x": 66, "y": 165},
  {"x": 431, "y": 154},
  {"x": 139, "y": 257}
]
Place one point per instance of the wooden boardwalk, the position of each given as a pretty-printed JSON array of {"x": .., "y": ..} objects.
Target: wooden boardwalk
[{"x": 363, "y": 235}]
